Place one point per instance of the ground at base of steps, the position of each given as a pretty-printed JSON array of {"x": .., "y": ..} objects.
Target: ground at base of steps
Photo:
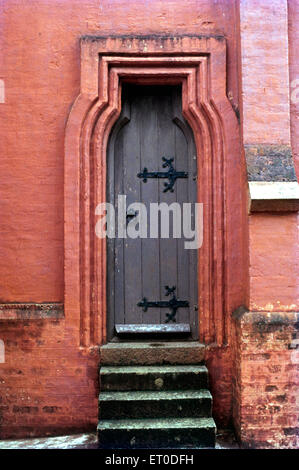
[{"x": 225, "y": 439}]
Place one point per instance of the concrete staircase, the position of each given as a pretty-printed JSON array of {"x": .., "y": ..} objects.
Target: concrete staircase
[{"x": 154, "y": 406}]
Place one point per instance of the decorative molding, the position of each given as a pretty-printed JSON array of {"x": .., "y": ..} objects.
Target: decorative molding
[
  {"x": 199, "y": 65},
  {"x": 273, "y": 196},
  {"x": 30, "y": 311}
]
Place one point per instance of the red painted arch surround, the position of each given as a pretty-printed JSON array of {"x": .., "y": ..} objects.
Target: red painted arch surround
[{"x": 199, "y": 64}]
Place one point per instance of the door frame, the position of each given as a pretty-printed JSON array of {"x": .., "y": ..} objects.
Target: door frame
[{"x": 198, "y": 64}]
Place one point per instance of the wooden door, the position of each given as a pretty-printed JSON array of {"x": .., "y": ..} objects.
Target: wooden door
[{"x": 151, "y": 127}]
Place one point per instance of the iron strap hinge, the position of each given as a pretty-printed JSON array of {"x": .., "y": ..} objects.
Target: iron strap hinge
[
  {"x": 173, "y": 304},
  {"x": 171, "y": 174}
]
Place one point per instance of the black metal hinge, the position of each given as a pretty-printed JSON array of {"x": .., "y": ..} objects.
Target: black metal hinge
[
  {"x": 171, "y": 174},
  {"x": 173, "y": 304}
]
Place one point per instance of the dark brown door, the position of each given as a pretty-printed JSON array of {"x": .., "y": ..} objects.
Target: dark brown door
[{"x": 151, "y": 127}]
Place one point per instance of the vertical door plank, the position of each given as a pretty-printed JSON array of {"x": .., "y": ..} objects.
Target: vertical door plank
[
  {"x": 166, "y": 143},
  {"x": 119, "y": 275},
  {"x": 149, "y": 193},
  {"x": 183, "y": 281}
]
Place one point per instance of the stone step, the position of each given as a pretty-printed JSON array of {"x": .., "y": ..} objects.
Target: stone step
[
  {"x": 178, "y": 377},
  {"x": 152, "y": 404},
  {"x": 152, "y": 353},
  {"x": 157, "y": 433}
]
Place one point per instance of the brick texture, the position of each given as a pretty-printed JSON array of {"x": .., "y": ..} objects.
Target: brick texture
[
  {"x": 265, "y": 72},
  {"x": 266, "y": 403},
  {"x": 274, "y": 262},
  {"x": 47, "y": 385}
]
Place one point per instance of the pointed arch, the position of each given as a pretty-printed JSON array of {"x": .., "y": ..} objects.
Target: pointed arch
[{"x": 198, "y": 64}]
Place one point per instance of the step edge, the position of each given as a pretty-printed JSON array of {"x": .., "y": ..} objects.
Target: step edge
[
  {"x": 152, "y": 345},
  {"x": 105, "y": 370},
  {"x": 165, "y": 423},
  {"x": 113, "y": 395}
]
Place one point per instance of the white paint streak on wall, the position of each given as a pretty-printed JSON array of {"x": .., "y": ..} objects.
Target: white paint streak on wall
[{"x": 2, "y": 352}]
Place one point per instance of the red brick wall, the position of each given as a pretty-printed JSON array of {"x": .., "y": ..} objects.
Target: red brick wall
[
  {"x": 274, "y": 262},
  {"x": 47, "y": 384},
  {"x": 265, "y": 365},
  {"x": 266, "y": 388},
  {"x": 265, "y": 74}
]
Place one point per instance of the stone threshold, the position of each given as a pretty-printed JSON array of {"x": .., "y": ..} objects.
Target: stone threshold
[{"x": 152, "y": 352}]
